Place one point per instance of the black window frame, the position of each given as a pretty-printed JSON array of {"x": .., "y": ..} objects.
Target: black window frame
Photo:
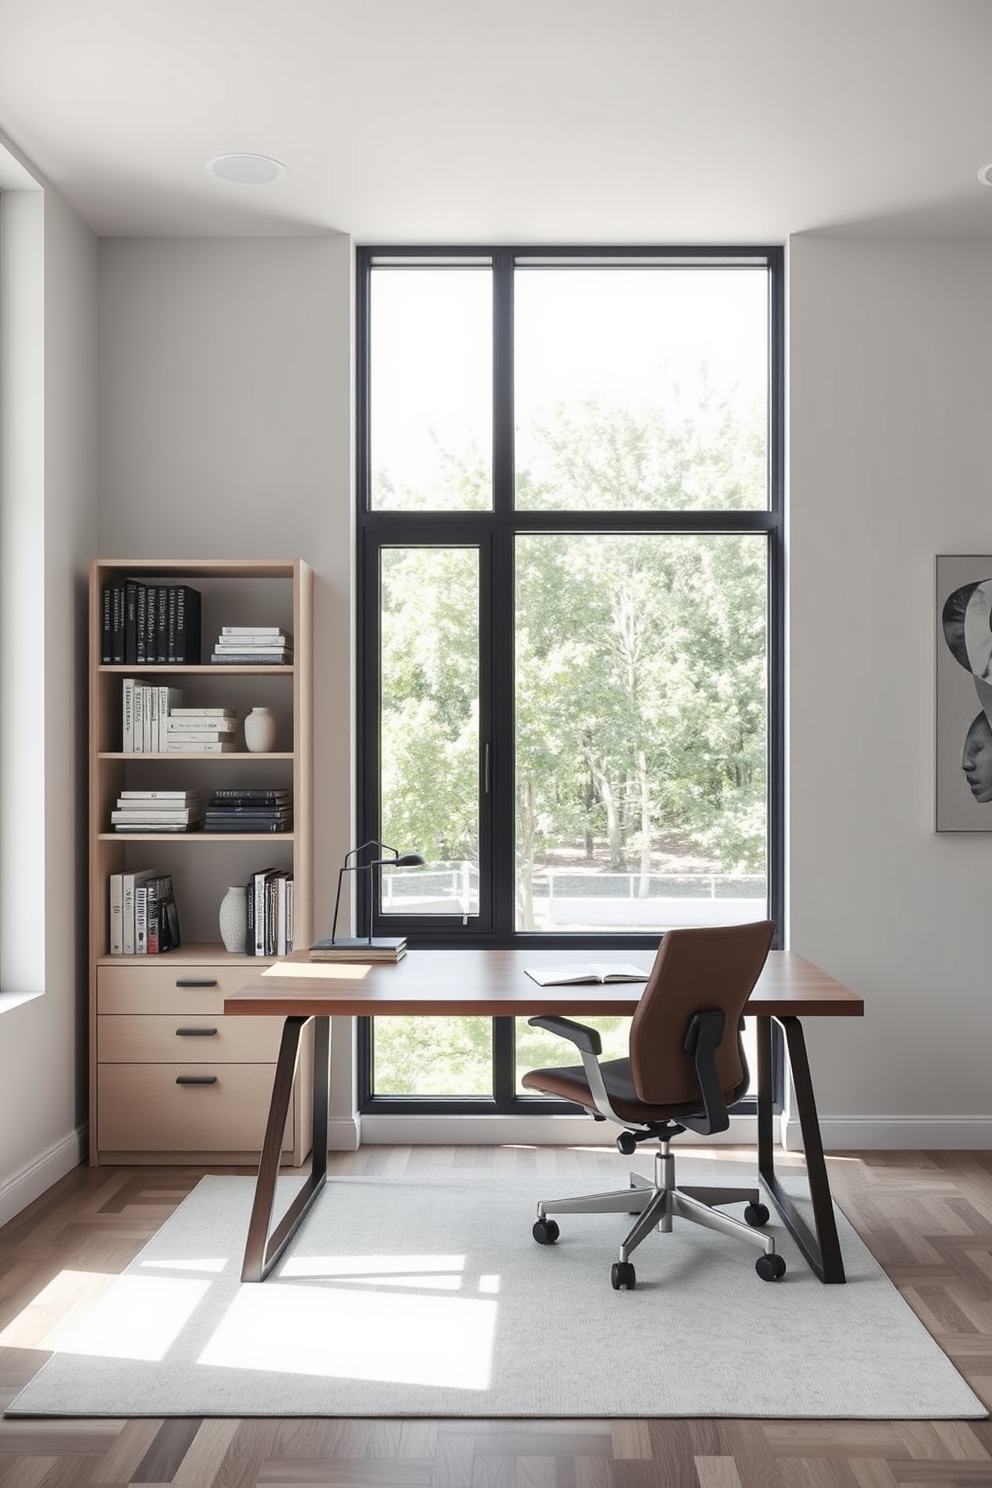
[{"x": 493, "y": 533}]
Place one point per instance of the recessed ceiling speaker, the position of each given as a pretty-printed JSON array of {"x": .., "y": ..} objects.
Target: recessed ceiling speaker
[
  {"x": 985, "y": 174},
  {"x": 246, "y": 170}
]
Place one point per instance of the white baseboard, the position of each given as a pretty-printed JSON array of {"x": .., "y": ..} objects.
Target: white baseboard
[
  {"x": 897, "y": 1133},
  {"x": 24, "y": 1187},
  {"x": 344, "y": 1135}
]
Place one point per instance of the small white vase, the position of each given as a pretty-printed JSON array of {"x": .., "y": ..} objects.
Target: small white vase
[
  {"x": 233, "y": 918},
  {"x": 260, "y": 731}
]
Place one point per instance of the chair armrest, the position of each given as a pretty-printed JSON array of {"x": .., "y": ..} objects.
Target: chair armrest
[{"x": 584, "y": 1038}]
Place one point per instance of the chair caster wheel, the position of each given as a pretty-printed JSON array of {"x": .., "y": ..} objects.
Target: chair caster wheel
[
  {"x": 626, "y": 1144},
  {"x": 770, "y": 1267},
  {"x": 545, "y": 1232},
  {"x": 623, "y": 1276},
  {"x": 756, "y": 1215}
]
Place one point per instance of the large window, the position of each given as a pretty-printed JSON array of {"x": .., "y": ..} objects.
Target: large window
[{"x": 570, "y": 613}]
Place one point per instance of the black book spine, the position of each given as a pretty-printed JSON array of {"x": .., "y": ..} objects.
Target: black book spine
[
  {"x": 117, "y": 622},
  {"x": 170, "y": 625},
  {"x": 250, "y": 917},
  {"x": 151, "y": 617},
  {"x": 106, "y": 624},
  {"x": 130, "y": 622},
  {"x": 161, "y": 623},
  {"x": 141, "y": 624},
  {"x": 187, "y": 627}
]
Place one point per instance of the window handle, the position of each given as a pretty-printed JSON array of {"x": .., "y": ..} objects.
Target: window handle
[{"x": 487, "y": 767}]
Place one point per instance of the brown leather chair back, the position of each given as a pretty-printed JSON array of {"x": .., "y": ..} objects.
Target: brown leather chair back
[{"x": 710, "y": 967}]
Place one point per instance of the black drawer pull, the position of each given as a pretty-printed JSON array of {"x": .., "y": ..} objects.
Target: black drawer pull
[
  {"x": 196, "y": 1032},
  {"x": 193, "y": 982},
  {"x": 196, "y": 1079}
]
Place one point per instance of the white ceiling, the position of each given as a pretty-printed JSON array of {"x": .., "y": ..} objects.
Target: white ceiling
[{"x": 502, "y": 121}]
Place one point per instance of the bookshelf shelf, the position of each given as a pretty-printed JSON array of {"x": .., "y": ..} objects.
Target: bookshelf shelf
[{"x": 139, "y": 1004}]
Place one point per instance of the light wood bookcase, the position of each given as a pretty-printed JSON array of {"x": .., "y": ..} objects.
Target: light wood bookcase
[{"x": 142, "y": 1008}]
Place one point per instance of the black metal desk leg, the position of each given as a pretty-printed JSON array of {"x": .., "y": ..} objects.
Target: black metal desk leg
[
  {"x": 820, "y": 1246},
  {"x": 262, "y": 1250}
]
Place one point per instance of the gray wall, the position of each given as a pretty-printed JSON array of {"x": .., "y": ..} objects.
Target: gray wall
[{"x": 891, "y": 463}]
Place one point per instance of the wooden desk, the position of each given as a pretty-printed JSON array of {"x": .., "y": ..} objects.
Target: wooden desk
[{"x": 494, "y": 984}]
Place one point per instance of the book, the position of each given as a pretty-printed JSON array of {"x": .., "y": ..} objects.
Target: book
[
  {"x": 153, "y": 816},
  {"x": 259, "y": 658},
  {"x": 128, "y": 686},
  {"x": 132, "y": 882},
  {"x": 169, "y": 936},
  {"x": 195, "y": 727},
  {"x": 183, "y": 628},
  {"x": 106, "y": 625},
  {"x": 141, "y": 919},
  {"x": 254, "y": 630},
  {"x": 247, "y": 826},
  {"x": 168, "y": 699},
  {"x": 130, "y": 622},
  {"x": 158, "y": 795},
  {"x": 156, "y": 892},
  {"x": 161, "y": 622},
  {"x": 202, "y": 713},
  {"x": 116, "y": 894},
  {"x": 236, "y": 796},
  {"x": 259, "y": 894},
  {"x": 117, "y": 621},
  {"x": 351, "y": 948},
  {"x": 273, "y": 639},
  {"x": 592, "y": 971},
  {"x": 201, "y": 746}
]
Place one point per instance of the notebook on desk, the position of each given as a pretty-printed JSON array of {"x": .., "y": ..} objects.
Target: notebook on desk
[{"x": 590, "y": 971}]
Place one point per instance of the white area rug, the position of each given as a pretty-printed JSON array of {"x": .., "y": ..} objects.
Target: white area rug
[{"x": 418, "y": 1296}]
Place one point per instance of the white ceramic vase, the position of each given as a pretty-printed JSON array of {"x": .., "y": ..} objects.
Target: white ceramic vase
[
  {"x": 233, "y": 918},
  {"x": 260, "y": 731}
]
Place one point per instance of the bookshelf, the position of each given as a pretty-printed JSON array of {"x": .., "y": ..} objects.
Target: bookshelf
[{"x": 172, "y": 1080}]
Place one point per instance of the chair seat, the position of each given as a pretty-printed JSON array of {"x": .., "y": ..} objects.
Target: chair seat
[{"x": 569, "y": 1083}]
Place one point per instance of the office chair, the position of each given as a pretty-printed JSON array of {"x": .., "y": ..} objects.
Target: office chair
[{"x": 686, "y": 1066}]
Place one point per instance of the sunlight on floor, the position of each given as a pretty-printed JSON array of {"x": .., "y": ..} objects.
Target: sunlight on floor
[
  {"x": 136, "y": 1317},
  {"x": 294, "y": 1329}
]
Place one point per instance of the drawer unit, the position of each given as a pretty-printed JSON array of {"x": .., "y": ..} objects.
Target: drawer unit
[
  {"x": 173, "y": 1108},
  {"x": 176, "y": 1080}
]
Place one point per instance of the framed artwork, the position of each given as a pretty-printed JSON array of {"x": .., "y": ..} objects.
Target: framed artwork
[{"x": 964, "y": 693}]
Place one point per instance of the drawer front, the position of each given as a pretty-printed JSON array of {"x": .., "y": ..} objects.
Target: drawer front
[
  {"x": 142, "y": 1108},
  {"x": 197, "y": 1038},
  {"x": 169, "y": 989}
]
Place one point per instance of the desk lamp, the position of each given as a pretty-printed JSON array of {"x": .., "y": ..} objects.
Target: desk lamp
[{"x": 398, "y": 860}]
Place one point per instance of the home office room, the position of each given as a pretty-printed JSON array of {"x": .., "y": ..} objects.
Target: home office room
[{"x": 548, "y": 453}]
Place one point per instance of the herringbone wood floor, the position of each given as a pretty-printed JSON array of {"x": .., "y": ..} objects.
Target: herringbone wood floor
[{"x": 926, "y": 1216}]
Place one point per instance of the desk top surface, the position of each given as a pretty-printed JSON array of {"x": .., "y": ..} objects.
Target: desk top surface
[{"x": 494, "y": 983}]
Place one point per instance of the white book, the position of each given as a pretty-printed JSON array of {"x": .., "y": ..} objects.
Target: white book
[
  {"x": 128, "y": 685},
  {"x": 592, "y": 971},
  {"x": 135, "y": 814},
  {"x": 252, "y": 630},
  {"x": 154, "y": 703},
  {"x": 187, "y": 725},
  {"x": 202, "y": 713},
  {"x": 117, "y": 914},
  {"x": 290, "y": 904},
  {"x": 168, "y": 699},
  {"x": 157, "y": 795},
  {"x": 145, "y": 715},
  {"x": 201, "y": 746}
]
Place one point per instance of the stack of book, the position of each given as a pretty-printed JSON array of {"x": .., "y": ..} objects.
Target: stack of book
[
  {"x": 145, "y": 709},
  {"x": 346, "y": 948},
  {"x": 202, "y": 731},
  {"x": 143, "y": 916},
  {"x": 253, "y": 645},
  {"x": 144, "y": 624},
  {"x": 260, "y": 810},
  {"x": 157, "y": 811},
  {"x": 269, "y": 905}
]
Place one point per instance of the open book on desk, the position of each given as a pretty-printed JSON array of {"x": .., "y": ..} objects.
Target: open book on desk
[{"x": 591, "y": 971}]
